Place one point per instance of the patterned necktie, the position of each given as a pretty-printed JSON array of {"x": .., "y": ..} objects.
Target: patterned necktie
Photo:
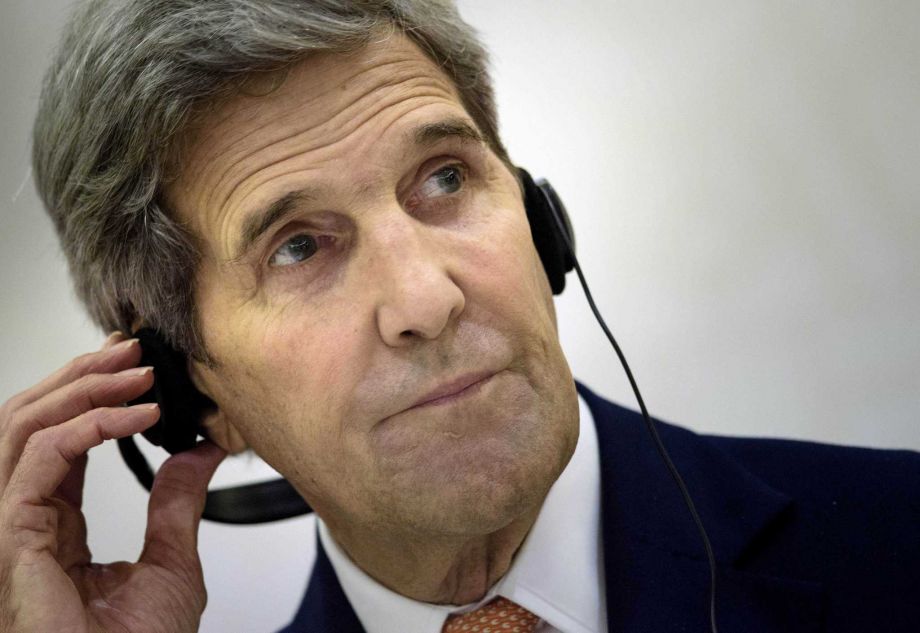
[{"x": 499, "y": 616}]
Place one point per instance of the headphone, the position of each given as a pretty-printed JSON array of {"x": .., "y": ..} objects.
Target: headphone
[{"x": 182, "y": 406}]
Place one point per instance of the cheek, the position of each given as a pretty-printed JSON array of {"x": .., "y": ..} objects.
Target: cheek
[
  {"x": 285, "y": 373},
  {"x": 308, "y": 365},
  {"x": 501, "y": 265},
  {"x": 510, "y": 285},
  {"x": 293, "y": 392}
]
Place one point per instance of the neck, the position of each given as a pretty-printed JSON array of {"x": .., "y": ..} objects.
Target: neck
[{"x": 440, "y": 570}]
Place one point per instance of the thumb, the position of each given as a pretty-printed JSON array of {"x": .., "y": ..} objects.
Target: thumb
[{"x": 176, "y": 502}]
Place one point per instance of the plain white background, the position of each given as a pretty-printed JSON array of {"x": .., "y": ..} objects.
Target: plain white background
[{"x": 742, "y": 177}]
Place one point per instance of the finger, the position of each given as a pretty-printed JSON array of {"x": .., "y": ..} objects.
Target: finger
[
  {"x": 73, "y": 399},
  {"x": 115, "y": 337},
  {"x": 87, "y": 392},
  {"x": 115, "y": 358},
  {"x": 50, "y": 454},
  {"x": 176, "y": 503},
  {"x": 71, "y": 489}
]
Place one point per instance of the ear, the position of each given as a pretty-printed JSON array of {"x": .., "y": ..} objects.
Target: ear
[{"x": 216, "y": 424}]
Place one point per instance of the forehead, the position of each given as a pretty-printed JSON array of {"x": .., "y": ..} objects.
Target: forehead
[{"x": 281, "y": 129}]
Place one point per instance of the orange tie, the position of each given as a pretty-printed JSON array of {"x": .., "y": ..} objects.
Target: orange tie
[{"x": 499, "y": 616}]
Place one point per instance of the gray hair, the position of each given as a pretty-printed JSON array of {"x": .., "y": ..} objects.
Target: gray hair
[{"x": 125, "y": 82}]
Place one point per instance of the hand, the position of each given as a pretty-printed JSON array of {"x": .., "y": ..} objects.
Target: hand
[{"x": 48, "y": 582}]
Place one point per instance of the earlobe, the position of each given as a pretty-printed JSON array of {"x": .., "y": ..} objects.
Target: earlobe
[
  {"x": 214, "y": 423},
  {"x": 216, "y": 428}
]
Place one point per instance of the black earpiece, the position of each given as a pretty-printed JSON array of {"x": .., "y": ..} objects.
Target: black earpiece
[
  {"x": 182, "y": 406},
  {"x": 542, "y": 205}
]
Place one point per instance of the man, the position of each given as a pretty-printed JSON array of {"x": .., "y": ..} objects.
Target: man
[{"x": 311, "y": 201}]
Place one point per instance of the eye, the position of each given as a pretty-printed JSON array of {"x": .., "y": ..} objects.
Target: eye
[
  {"x": 298, "y": 248},
  {"x": 443, "y": 182}
]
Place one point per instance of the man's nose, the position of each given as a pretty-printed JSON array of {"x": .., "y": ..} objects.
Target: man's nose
[{"x": 416, "y": 297}]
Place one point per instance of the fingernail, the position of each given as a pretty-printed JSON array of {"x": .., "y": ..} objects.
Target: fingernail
[
  {"x": 112, "y": 338},
  {"x": 135, "y": 371},
  {"x": 147, "y": 406},
  {"x": 125, "y": 344}
]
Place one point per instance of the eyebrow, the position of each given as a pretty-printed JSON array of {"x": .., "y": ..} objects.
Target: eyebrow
[
  {"x": 260, "y": 222},
  {"x": 425, "y": 135},
  {"x": 458, "y": 128}
]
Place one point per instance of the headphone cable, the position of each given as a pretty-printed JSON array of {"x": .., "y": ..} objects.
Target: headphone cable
[{"x": 653, "y": 431}]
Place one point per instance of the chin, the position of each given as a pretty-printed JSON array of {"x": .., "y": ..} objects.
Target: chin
[
  {"x": 473, "y": 467},
  {"x": 470, "y": 508},
  {"x": 480, "y": 493}
]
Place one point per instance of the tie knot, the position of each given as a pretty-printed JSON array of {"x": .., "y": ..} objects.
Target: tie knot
[{"x": 499, "y": 616}]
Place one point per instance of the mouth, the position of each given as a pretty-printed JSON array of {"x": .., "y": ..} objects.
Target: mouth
[{"x": 455, "y": 390}]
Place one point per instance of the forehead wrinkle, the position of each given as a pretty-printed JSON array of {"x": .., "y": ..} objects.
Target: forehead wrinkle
[
  {"x": 342, "y": 129},
  {"x": 419, "y": 73},
  {"x": 255, "y": 185},
  {"x": 246, "y": 188},
  {"x": 296, "y": 113},
  {"x": 409, "y": 138},
  {"x": 218, "y": 122},
  {"x": 266, "y": 173}
]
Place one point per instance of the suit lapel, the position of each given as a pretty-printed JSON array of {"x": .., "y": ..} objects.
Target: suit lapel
[{"x": 656, "y": 574}]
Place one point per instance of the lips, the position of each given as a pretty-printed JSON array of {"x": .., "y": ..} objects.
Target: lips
[{"x": 452, "y": 388}]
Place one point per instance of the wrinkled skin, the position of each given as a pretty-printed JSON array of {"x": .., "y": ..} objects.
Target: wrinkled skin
[
  {"x": 48, "y": 582},
  {"x": 403, "y": 260}
]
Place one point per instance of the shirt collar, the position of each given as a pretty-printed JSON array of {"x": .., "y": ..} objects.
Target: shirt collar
[{"x": 557, "y": 574}]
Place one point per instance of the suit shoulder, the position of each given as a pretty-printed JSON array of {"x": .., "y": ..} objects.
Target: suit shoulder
[
  {"x": 815, "y": 466},
  {"x": 790, "y": 465},
  {"x": 862, "y": 501},
  {"x": 843, "y": 518}
]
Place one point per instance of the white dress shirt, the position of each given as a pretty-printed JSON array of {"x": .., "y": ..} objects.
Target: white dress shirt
[{"x": 558, "y": 573}]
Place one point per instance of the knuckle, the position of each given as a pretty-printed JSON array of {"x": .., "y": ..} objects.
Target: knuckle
[
  {"x": 76, "y": 364},
  {"x": 37, "y": 443},
  {"x": 79, "y": 365},
  {"x": 10, "y": 407},
  {"x": 6, "y": 418},
  {"x": 97, "y": 390},
  {"x": 18, "y": 429},
  {"x": 85, "y": 386},
  {"x": 166, "y": 547},
  {"x": 51, "y": 440},
  {"x": 21, "y": 424},
  {"x": 103, "y": 421},
  {"x": 87, "y": 381},
  {"x": 11, "y": 416},
  {"x": 177, "y": 478},
  {"x": 103, "y": 417},
  {"x": 32, "y": 524}
]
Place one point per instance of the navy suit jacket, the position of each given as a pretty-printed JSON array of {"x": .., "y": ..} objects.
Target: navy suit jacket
[{"x": 807, "y": 537}]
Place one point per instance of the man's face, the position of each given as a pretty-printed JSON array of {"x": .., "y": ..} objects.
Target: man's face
[{"x": 363, "y": 249}]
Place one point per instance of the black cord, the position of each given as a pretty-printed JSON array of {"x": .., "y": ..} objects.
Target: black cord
[{"x": 651, "y": 427}]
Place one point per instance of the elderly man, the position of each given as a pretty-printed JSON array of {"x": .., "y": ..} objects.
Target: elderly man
[{"x": 310, "y": 201}]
